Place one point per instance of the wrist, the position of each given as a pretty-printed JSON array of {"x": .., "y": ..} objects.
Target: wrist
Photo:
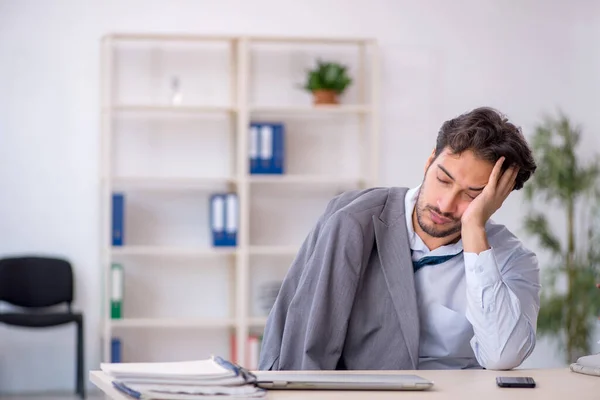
[
  {"x": 473, "y": 224},
  {"x": 474, "y": 238}
]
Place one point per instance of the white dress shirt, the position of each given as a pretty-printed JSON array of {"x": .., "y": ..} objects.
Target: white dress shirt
[{"x": 476, "y": 310}]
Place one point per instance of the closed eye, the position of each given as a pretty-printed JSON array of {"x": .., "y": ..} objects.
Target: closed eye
[{"x": 442, "y": 181}]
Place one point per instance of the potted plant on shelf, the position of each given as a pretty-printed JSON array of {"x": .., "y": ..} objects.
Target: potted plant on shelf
[
  {"x": 570, "y": 187},
  {"x": 327, "y": 81}
]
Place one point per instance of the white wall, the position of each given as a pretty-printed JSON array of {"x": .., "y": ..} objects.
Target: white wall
[{"x": 438, "y": 58}]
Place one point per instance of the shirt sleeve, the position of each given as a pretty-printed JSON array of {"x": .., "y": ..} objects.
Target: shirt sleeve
[{"x": 502, "y": 306}]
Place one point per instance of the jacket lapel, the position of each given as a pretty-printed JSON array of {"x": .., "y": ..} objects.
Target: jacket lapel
[{"x": 394, "y": 254}]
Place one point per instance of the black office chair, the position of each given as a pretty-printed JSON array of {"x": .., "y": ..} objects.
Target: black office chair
[{"x": 35, "y": 283}]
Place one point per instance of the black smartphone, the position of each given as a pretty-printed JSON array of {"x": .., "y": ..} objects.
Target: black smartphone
[{"x": 515, "y": 381}]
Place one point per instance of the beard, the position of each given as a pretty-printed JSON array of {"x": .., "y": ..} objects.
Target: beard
[{"x": 432, "y": 229}]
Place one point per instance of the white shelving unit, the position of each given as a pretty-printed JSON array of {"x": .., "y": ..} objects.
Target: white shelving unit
[{"x": 238, "y": 111}]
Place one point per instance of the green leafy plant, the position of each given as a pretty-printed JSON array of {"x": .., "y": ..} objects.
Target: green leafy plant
[
  {"x": 329, "y": 76},
  {"x": 566, "y": 188}
]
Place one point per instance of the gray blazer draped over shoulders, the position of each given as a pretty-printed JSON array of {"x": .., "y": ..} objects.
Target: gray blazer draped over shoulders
[{"x": 348, "y": 300}]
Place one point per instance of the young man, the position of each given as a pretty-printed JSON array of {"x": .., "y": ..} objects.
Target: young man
[{"x": 391, "y": 278}]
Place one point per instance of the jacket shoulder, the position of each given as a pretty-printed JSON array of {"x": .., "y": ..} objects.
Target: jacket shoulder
[{"x": 355, "y": 202}]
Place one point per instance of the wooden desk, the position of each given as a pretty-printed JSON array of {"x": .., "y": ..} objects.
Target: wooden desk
[{"x": 559, "y": 384}]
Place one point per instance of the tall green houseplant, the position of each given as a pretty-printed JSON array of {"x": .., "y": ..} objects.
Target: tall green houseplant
[{"x": 565, "y": 188}]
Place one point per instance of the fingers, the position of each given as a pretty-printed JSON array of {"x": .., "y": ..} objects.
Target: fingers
[
  {"x": 508, "y": 180},
  {"x": 495, "y": 175}
]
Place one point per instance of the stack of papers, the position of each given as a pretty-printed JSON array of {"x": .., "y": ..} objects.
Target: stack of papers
[{"x": 186, "y": 380}]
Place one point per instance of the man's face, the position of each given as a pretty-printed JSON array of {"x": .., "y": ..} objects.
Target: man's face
[{"x": 450, "y": 184}]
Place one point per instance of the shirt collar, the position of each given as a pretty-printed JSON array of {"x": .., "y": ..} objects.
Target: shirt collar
[{"x": 416, "y": 243}]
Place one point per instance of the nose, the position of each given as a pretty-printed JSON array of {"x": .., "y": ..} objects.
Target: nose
[{"x": 447, "y": 204}]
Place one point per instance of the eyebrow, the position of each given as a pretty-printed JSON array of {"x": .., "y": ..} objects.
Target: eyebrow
[{"x": 475, "y": 189}]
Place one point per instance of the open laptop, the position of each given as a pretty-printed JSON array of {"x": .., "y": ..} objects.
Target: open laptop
[{"x": 324, "y": 380}]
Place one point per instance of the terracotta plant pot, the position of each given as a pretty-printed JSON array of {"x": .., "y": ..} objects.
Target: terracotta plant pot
[{"x": 325, "y": 97}]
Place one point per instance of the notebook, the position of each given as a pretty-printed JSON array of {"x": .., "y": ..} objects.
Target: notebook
[{"x": 183, "y": 380}]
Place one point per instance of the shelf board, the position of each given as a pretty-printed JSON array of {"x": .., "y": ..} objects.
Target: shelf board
[
  {"x": 304, "y": 179},
  {"x": 140, "y": 108},
  {"x": 274, "y": 250},
  {"x": 224, "y": 38},
  {"x": 192, "y": 183},
  {"x": 310, "y": 40},
  {"x": 172, "y": 323},
  {"x": 168, "y": 37},
  {"x": 171, "y": 251},
  {"x": 320, "y": 109},
  {"x": 168, "y": 183}
]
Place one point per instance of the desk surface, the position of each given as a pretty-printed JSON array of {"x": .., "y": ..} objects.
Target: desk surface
[{"x": 449, "y": 384}]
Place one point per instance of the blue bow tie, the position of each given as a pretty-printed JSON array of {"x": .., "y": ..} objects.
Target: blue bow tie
[{"x": 432, "y": 260}]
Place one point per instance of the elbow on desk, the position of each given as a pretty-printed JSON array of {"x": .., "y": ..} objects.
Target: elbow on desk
[
  {"x": 507, "y": 359},
  {"x": 502, "y": 363},
  {"x": 508, "y": 356}
]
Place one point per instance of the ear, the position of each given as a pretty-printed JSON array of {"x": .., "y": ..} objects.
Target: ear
[{"x": 430, "y": 160}]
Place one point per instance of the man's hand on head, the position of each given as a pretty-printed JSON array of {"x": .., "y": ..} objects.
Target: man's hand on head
[
  {"x": 491, "y": 197},
  {"x": 484, "y": 206}
]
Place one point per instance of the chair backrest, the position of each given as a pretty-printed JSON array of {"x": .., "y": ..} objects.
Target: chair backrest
[{"x": 36, "y": 281}]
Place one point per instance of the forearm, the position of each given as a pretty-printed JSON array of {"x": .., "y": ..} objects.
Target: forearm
[{"x": 504, "y": 336}]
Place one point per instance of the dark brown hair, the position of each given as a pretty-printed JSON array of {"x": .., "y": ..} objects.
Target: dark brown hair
[{"x": 489, "y": 135}]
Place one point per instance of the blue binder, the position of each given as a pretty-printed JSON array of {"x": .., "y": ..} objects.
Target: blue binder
[
  {"x": 217, "y": 219},
  {"x": 231, "y": 219},
  {"x": 277, "y": 164},
  {"x": 118, "y": 216},
  {"x": 254, "y": 143},
  {"x": 224, "y": 219},
  {"x": 115, "y": 350},
  {"x": 265, "y": 152},
  {"x": 267, "y": 148}
]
